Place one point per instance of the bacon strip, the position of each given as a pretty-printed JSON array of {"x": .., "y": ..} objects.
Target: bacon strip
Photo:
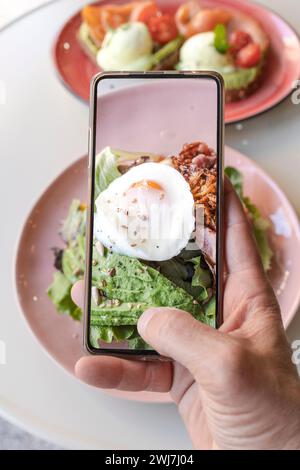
[{"x": 198, "y": 164}]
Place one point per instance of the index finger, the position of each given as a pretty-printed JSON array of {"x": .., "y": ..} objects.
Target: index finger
[{"x": 122, "y": 374}]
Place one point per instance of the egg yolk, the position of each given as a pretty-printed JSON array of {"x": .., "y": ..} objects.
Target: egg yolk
[
  {"x": 142, "y": 197},
  {"x": 147, "y": 184}
]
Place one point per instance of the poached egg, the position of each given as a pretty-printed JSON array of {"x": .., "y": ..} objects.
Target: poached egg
[{"x": 146, "y": 213}]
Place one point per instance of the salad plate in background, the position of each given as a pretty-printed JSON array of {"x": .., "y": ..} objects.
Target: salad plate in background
[
  {"x": 61, "y": 210},
  {"x": 256, "y": 51}
]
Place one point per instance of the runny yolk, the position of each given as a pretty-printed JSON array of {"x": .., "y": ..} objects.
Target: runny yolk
[{"x": 147, "y": 184}]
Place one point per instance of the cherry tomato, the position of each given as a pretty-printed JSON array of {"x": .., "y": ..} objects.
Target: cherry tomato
[
  {"x": 248, "y": 56},
  {"x": 238, "y": 40},
  {"x": 162, "y": 28}
]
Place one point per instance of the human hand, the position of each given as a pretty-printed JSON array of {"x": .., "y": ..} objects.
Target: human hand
[{"x": 235, "y": 388}]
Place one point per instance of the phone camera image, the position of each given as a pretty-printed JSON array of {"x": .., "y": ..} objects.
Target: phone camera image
[{"x": 154, "y": 215}]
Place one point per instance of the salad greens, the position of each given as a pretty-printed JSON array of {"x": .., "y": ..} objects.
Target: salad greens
[
  {"x": 260, "y": 224},
  {"x": 106, "y": 170},
  {"x": 74, "y": 223},
  {"x": 126, "y": 286},
  {"x": 60, "y": 294}
]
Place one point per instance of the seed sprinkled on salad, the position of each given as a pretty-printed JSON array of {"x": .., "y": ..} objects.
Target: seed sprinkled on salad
[
  {"x": 100, "y": 248},
  {"x": 96, "y": 295},
  {"x": 111, "y": 272}
]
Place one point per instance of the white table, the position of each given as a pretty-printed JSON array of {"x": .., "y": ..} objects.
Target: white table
[{"x": 43, "y": 129}]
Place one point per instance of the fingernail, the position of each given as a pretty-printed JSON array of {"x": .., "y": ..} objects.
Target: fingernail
[{"x": 144, "y": 319}]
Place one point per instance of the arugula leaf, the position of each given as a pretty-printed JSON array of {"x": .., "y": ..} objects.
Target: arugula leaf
[{"x": 220, "y": 40}]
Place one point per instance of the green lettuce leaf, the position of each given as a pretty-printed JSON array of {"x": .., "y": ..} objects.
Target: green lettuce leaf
[
  {"x": 106, "y": 170},
  {"x": 260, "y": 229},
  {"x": 100, "y": 333},
  {"x": 201, "y": 278},
  {"x": 138, "y": 343},
  {"x": 60, "y": 294},
  {"x": 210, "y": 312},
  {"x": 108, "y": 334},
  {"x": 73, "y": 260},
  {"x": 236, "y": 179},
  {"x": 210, "y": 307},
  {"x": 260, "y": 225},
  {"x": 75, "y": 222}
]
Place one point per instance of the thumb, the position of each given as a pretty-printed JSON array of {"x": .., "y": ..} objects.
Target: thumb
[{"x": 176, "y": 334}]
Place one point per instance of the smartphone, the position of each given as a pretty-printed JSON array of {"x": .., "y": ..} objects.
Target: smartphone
[{"x": 154, "y": 234}]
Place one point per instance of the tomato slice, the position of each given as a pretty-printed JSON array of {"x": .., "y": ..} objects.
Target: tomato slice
[
  {"x": 238, "y": 40},
  {"x": 162, "y": 28},
  {"x": 143, "y": 11},
  {"x": 248, "y": 56},
  {"x": 101, "y": 18}
]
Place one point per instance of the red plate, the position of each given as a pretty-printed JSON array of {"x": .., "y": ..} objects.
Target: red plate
[{"x": 283, "y": 67}]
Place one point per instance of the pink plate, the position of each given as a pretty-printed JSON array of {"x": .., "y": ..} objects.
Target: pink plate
[
  {"x": 283, "y": 66},
  {"x": 60, "y": 336}
]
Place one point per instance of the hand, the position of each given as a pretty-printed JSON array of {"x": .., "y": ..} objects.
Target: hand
[{"x": 235, "y": 388}]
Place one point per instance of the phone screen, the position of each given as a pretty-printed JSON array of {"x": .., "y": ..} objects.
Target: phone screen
[{"x": 156, "y": 182}]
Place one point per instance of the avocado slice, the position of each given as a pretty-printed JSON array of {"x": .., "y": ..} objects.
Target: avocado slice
[
  {"x": 83, "y": 34},
  {"x": 167, "y": 50},
  {"x": 241, "y": 78}
]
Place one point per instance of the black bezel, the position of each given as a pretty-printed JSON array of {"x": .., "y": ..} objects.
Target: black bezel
[{"x": 144, "y": 354}]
